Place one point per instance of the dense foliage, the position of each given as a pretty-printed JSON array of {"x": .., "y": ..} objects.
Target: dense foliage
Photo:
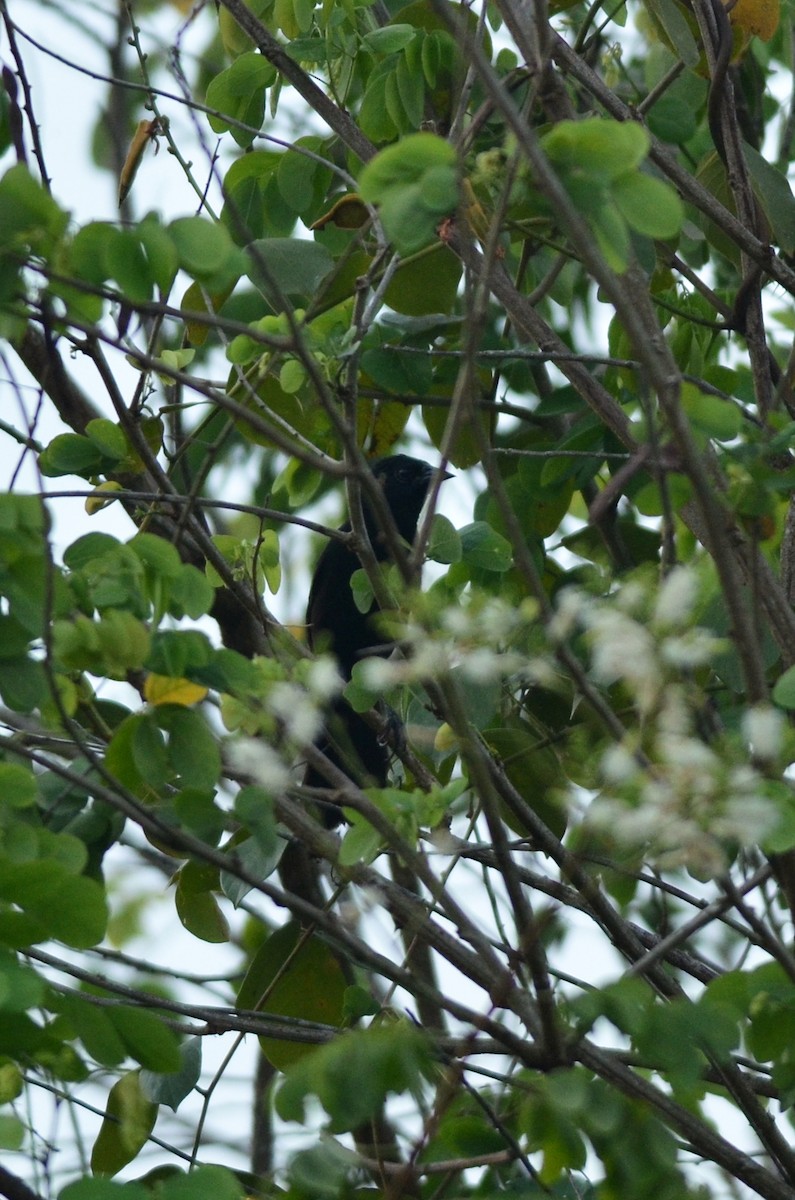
[{"x": 551, "y": 248}]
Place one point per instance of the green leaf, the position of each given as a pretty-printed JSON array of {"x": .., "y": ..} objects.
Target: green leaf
[
  {"x": 259, "y": 856},
  {"x": 362, "y": 589},
  {"x": 323, "y": 1171},
  {"x": 201, "y": 1183},
  {"x": 149, "y": 753},
  {"x": 197, "y": 908},
  {"x": 672, "y": 119},
  {"x": 254, "y": 205},
  {"x": 172, "y": 1087},
  {"x": 784, "y": 690},
  {"x": 28, "y": 213},
  {"x": 120, "y": 758},
  {"x": 146, "y": 1038},
  {"x": 444, "y": 544},
  {"x": 126, "y": 262},
  {"x": 94, "y": 1188},
  {"x": 303, "y": 181},
  {"x": 88, "y": 549},
  {"x": 206, "y": 250},
  {"x": 174, "y": 653},
  {"x": 160, "y": 251},
  {"x": 20, "y": 987},
  {"x": 414, "y": 183},
  {"x": 23, "y": 684},
  {"x": 292, "y": 980},
  {"x": 17, "y": 786},
  {"x": 773, "y": 191},
  {"x": 483, "y": 547},
  {"x": 671, "y": 18},
  {"x": 597, "y": 147},
  {"x": 129, "y": 1119},
  {"x": 193, "y": 751},
  {"x": 108, "y": 438},
  {"x": 197, "y": 811},
  {"x": 401, "y": 373},
  {"x": 14, "y": 638},
  {"x": 288, "y": 267},
  {"x": 309, "y": 50},
  {"x": 239, "y": 95},
  {"x": 374, "y": 119},
  {"x": 612, "y": 236},
  {"x": 389, "y": 39},
  {"x": 384, "y": 1059},
  {"x": 12, "y": 1132},
  {"x": 227, "y": 671},
  {"x": 93, "y": 1025},
  {"x": 411, "y": 90},
  {"x": 648, "y": 205},
  {"x": 425, "y": 284},
  {"x": 535, "y": 771},
  {"x": 11, "y": 1082},
  {"x": 70, "y": 908},
  {"x": 714, "y": 416},
  {"x": 190, "y": 593},
  {"x": 158, "y": 555},
  {"x": 362, "y": 842},
  {"x": 70, "y": 454}
]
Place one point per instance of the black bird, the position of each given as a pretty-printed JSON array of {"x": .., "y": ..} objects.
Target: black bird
[{"x": 334, "y": 622}]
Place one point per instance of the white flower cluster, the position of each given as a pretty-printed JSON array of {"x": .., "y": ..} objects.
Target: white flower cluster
[
  {"x": 474, "y": 636},
  {"x": 667, "y": 793},
  {"x": 634, "y": 638},
  {"x": 255, "y": 758},
  {"x": 685, "y": 808},
  {"x": 281, "y": 716}
]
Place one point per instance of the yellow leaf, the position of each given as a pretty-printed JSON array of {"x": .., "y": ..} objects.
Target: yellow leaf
[
  {"x": 145, "y": 132},
  {"x": 102, "y": 496},
  {"x": 757, "y": 18},
  {"x": 349, "y": 212},
  {"x": 445, "y": 740},
  {"x": 161, "y": 689}
]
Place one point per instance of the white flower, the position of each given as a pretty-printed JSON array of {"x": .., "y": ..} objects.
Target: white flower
[
  {"x": 763, "y": 727},
  {"x": 539, "y": 671},
  {"x": 676, "y": 599},
  {"x": 457, "y": 622},
  {"x": 431, "y": 659},
  {"x": 497, "y": 620},
  {"x": 631, "y": 598},
  {"x": 688, "y": 756},
  {"x": 571, "y": 605},
  {"x": 619, "y": 765},
  {"x": 694, "y": 648},
  {"x": 258, "y": 760},
  {"x": 323, "y": 680},
  {"x": 483, "y": 665},
  {"x": 675, "y": 715},
  {"x": 292, "y": 705},
  {"x": 381, "y": 674},
  {"x": 623, "y": 649}
]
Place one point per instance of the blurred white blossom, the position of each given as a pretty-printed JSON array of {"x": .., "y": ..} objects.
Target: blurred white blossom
[
  {"x": 763, "y": 727},
  {"x": 570, "y": 606},
  {"x": 676, "y": 599},
  {"x": 323, "y": 679},
  {"x": 623, "y": 649},
  {"x": 293, "y": 706},
  {"x": 255, "y": 758}
]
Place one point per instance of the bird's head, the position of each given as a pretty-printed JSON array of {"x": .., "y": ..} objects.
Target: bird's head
[{"x": 405, "y": 482}]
